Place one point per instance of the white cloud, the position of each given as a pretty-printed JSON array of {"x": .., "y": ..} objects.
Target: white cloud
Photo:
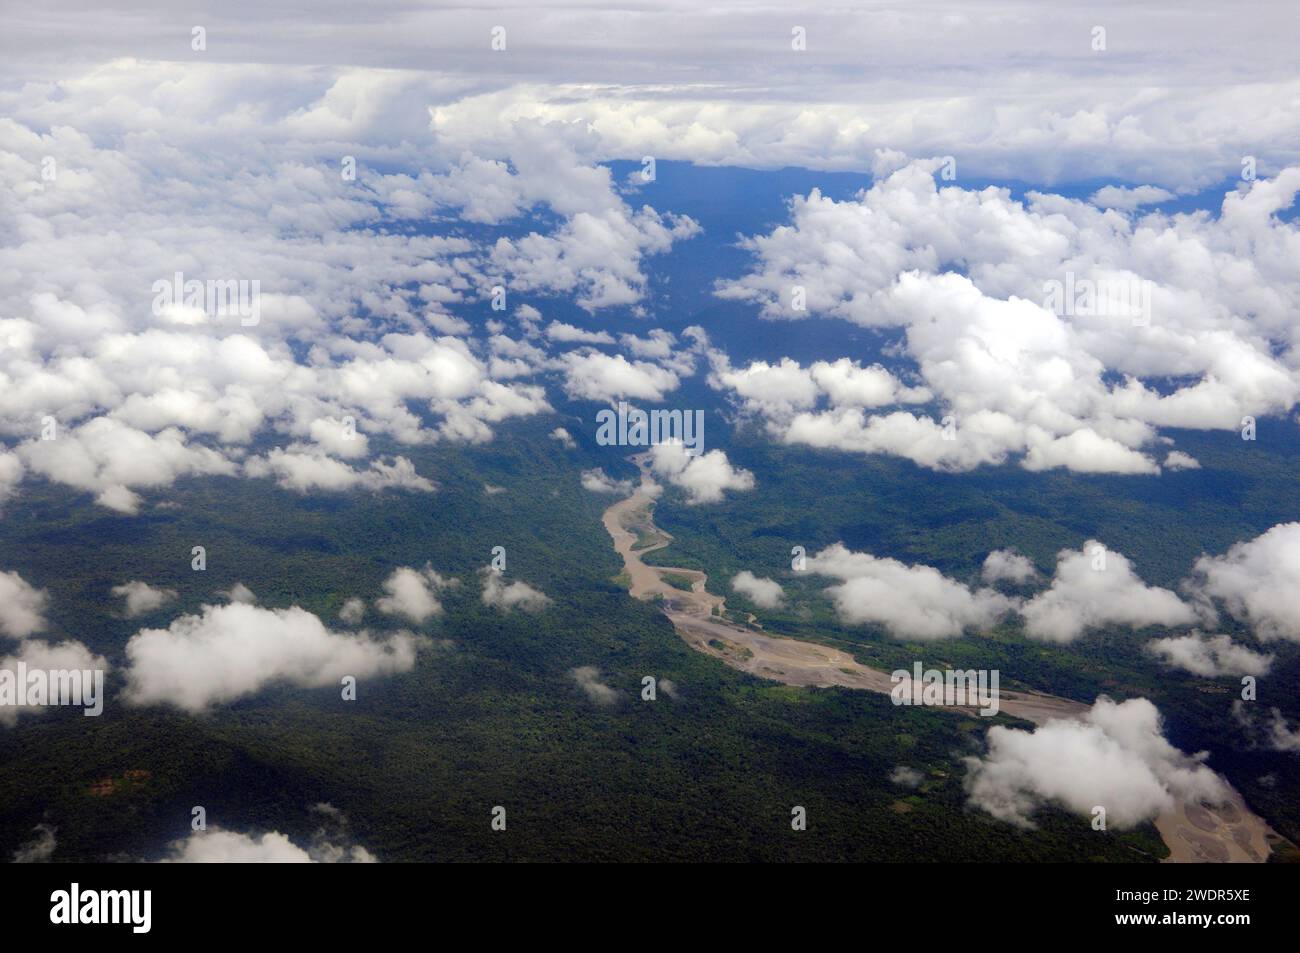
[
  {"x": 906, "y": 777},
  {"x": 1212, "y": 656},
  {"x": 306, "y": 472},
  {"x": 339, "y": 437},
  {"x": 357, "y": 312},
  {"x": 413, "y": 593},
  {"x": 567, "y": 333},
  {"x": 597, "y": 481},
  {"x": 979, "y": 439},
  {"x": 142, "y": 598},
  {"x": 22, "y": 606},
  {"x": 1258, "y": 582},
  {"x": 230, "y": 651},
  {"x": 11, "y": 474},
  {"x": 911, "y": 602},
  {"x": 1126, "y": 199},
  {"x": 352, "y": 611},
  {"x": 1169, "y": 102},
  {"x": 588, "y": 679},
  {"x": 594, "y": 256},
  {"x": 1094, "y": 588},
  {"x": 1008, "y": 565},
  {"x": 764, "y": 593},
  {"x": 219, "y": 846},
  {"x": 705, "y": 477},
  {"x": 240, "y": 593},
  {"x": 1115, "y": 757},
  {"x": 1177, "y": 460},
  {"x": 564, "y": 437},
  {"x": 516, "y": 595},
  {"x": 356, "y": 338},
  {"x": 781, "y": 389},
  {"x": 609, "y": 377},
  {"x": 35, "y": 655},
  {"x": 109, "y": 459},
  {"x": 968, "y": 278},
  {"x": 1085, "y": 451},
  {"x": 1275, "y": 733}
]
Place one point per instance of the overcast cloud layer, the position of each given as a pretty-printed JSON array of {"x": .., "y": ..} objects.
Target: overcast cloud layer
[{"x": 1016, "y": 87}]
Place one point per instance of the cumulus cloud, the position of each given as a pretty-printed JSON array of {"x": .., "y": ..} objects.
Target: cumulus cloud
[
  {"x": 588, "y": 679},
  {"x": 607, "y": 377},
  {"x": 564, "y": 437},
  {"x": 764, "y": 593},
  {"x": 1257, "y": 582},
  {"x": 308, "y": 472},
  {"x": 568, "y": 334},
  {"x": 1007, "y": 565},
  {"x": 356, "y": 310},
  {"x": 142, "y": 598},
  {"x": 111, "y": 459},
  {"x": 230, "y": 651},
  {"x": 1127, "y": 199},
  {"x": 36, "y": 654},
  {"x": 1209, "y": 655},
  {"x": 339, "y": 437},
  {"x": 22, "y": 606},
  {"x": 219, "y": 846},
  {"x": 516, "y": 595},
  {"x": 705, "y": 477},
  {"x": 598, "y": 481},
  {"x": 11, "y": 474},
  {"x": 1177, "y": 460},
  {"x": 352, "y": 611},
  {"x": 413, "y": 593},
  {"x": 1094, "y": 588},
  {"x": 910, "y": 602},
  {"x": 595, "y": 256},
  {"x": 1115, "y": 757},
  {"x": 783, "y": 388},
  {"x": 1021, "y": 368},
  {"x": 906, "y": 777},
  {"x": 354, "y": 337}
]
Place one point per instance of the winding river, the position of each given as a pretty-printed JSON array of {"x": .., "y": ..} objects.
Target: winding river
[{"x": 1194, "y": 832}]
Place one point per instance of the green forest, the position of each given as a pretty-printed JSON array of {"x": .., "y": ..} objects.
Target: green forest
[{"x": 491, "y": 715}]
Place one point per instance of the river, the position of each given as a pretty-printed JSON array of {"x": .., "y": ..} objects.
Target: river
[{"x": 1194, "y": 832}]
